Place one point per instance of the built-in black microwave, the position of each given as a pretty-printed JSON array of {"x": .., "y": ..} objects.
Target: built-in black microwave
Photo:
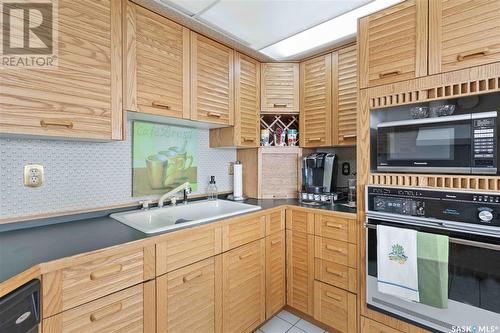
[{"x": 458, "y": 144}]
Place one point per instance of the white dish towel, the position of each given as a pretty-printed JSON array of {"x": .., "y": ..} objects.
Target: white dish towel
[{"x": 397, "y": 262}]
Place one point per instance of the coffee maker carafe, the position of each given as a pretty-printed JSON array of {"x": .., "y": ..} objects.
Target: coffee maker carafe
[{"x": 319, "y": 173}]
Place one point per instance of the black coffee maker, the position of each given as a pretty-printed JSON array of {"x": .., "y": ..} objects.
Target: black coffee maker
[{"x": 319, "y": 173}]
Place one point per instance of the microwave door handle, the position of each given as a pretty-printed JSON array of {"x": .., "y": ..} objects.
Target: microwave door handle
[{"x": 454, "y": 240}]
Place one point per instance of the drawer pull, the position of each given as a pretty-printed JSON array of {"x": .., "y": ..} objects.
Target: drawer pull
[
  {"x": 105, "y": 312},
  {"x": 334, "y": 249},
  {"x": 106, "y": 271},
  {"x": 333, "y": 225},
  {"x": 243, "y": 256},
  {"x": 213, "y": 115},
  {"x": 193, "y": 276},
  {"x": 332, "y": 296},
  {"x": 56, "y": 122},
  {"x": 314, "y": 139},
  {"x": 331, "y": 271},
  {"x": 248, "y": 139},
  {"x": 279, "y": 105},
  {"x": 157, "y": 104},
  {"x": 349, "y": 136},
  {"x": 274, "y": 242},
  {"x": 473, "y": 54},
  {"x": 388, "y": 74}
]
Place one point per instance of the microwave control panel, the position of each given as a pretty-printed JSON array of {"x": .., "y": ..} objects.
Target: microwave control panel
[{"x": 485, "y": 143}]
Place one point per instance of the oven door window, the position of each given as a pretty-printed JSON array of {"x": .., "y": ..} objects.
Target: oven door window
[
  {"x": 425, "y": 145},
  {"x": 474, "y": 270}
]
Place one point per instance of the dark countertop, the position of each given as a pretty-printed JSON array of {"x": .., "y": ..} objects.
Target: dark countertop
[{"x": 39, "y": 241}]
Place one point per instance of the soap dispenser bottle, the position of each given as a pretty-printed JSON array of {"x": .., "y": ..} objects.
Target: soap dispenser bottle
[{"x": 212, "y": 189}]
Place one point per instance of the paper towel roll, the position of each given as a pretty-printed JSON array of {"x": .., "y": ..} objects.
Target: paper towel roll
[{"x": 237, "y": 180}]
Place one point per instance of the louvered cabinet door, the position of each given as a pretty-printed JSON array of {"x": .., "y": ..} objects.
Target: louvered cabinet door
[
  {"x": 393, "y": 44},
  {"x": 275, "y": 273},
  {"x": 316, "y": 102},
  {"x": 157, "y": 60},
  {"x": 244, "y": 287},
  {"x": 81, "y": 96},
  {"x": 280, "y": 88},
  {"x": 300, "y": 271},
  {"x": 186, "y": 298},
  {"x": 247, "y": 101},
  {"x": 344, "y": 95},
  {"x": 463, "y": 34},
  {"x": 212, "y": 66}
]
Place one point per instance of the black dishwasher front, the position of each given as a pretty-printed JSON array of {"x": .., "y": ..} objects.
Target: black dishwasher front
[{"x": 20, "y": 309}]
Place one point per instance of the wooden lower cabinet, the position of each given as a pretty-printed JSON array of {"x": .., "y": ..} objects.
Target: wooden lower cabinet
[
  {"x": 275, "y": 273},
  {"x": 130, "y": 310},
  {"x": 300, "y": 271},
  {"x": 244, "y": 284},
  {"x": 335, "y": 307},
  {"x": 188, "y": 299}
]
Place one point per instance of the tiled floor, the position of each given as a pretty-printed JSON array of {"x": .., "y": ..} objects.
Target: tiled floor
[{"x": 289, "y": 323}]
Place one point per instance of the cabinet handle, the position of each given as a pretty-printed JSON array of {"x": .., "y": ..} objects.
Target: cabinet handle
[
  {"x": 332, "y": 296},
  {"x": 213, "y": 115},
  {"x": 333, "y": 225},
  {"x": 248, "y": 139},
  {"x": 278, "y": 105},
  {"x": 105, "y": 312},
  {"x": 387, "y": 74},
  {"x": 473, "y": 54},
  {"x": 193, "y": 276},
  {"x": 314, "y": 139},
  {"x": 56, "y": 122},
  {"x": 274, "y": 242},
  {"x": 157, "y": 104},
  {"x": 106, "y": 271},
  {"x": 243, "y": 256},
  {"x": 349, "y": 136},
  {"x": 334, "y": 249},
  {"x": 331, "y": 271}
]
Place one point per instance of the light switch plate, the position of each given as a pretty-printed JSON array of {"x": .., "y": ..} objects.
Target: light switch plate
[{"x": 33, "y": 175}]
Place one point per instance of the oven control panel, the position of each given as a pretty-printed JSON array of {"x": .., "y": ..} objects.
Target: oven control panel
[
  {"x": 399, "y": 206},
  {"x": 484, "y": 136}
]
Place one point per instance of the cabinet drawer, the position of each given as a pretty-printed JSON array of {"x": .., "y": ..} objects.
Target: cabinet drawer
[
  {"x": 301, "y": 221},
  {"x": 188, "y": 293},
  {"x": 371, "y": 326},
  {"x": 118, "y": 312},
  {"x": 86, "y": 281},
  {"x": 335, "y": 227},
  {"x": 337, "y": 275},
  {"x": 242, "y": 231},
  {"x": 335, "y": 307},
  {"x": 335, "y": 251},
  {"x": 275, "y": 222},
  {"x": 187, "y": 246}
]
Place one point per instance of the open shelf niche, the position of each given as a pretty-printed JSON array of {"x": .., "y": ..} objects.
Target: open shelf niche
[{"x": 274, "y": 121}]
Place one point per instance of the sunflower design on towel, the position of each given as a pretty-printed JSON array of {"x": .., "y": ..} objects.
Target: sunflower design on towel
[{"x": 397, "y": 254}]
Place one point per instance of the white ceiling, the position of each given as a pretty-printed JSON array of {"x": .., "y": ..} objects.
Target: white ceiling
[{"x": 260, "y": 23}]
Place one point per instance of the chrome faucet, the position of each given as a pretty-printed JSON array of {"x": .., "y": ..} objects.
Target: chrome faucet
[{"x": 171, "y": 194}]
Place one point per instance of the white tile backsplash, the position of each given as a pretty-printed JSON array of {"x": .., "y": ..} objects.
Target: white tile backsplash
[{"x": 84, "y": 175}]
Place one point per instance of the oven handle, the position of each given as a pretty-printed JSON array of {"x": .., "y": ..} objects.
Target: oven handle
[{"x": 456, "y": 240}]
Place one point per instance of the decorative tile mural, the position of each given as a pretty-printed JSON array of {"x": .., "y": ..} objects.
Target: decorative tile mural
[
  {"x": 85, "y": 175},
  {"x": 163, "y": 157}
]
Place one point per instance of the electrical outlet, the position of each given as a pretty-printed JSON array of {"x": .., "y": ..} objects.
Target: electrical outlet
[
  {"x": 33, "y": 175},
  {"x": 231, "y": 168}
]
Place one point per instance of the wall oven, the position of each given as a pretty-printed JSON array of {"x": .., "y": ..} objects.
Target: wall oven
[
  {"x": 459, "y": 144},
  {"x": 472, "y": 223}
]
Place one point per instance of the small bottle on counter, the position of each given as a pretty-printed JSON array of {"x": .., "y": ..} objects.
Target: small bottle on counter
[{"x": 212, "y": 189}]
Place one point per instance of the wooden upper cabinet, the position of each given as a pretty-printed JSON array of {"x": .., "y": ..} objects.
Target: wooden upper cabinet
[
  {"x": 244, "y": 287},
  {"x": 316, "y": 102},
  {"x": 463, "y": 34},
  {"x": 81, "y": 96},
  {"x": 344, "y": 96},
  {"x": 246, "y": 130},
  {"x": 212, "y": 66},
  {"x": 280, "y": 88},
  {"x": 157, "y": 62},
  {"x": 393, "y": 44}
]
